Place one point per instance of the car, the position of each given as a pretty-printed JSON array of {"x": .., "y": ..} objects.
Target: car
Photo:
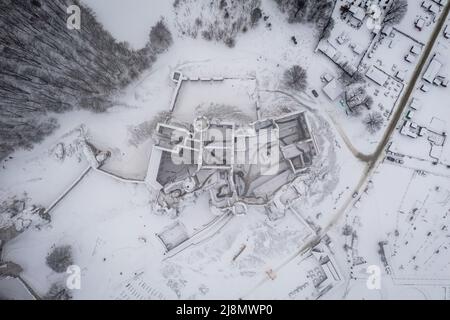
[
  {"x": 315, "y": 94},
  {"x": 390, "y": 159}
]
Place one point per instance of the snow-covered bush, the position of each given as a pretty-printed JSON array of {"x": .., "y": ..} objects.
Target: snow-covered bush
[
  {"x": 296, "y": 78},
  {"x": 16, "y": 215},
  {"x": 60, "y": 259},
  {"x": 316, "y": 12},
  {"x": 217, "y": 20},
  {"x": 58, "y": 291}
]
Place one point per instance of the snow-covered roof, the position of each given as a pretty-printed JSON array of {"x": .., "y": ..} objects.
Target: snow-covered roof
[
  {"x": 153, "y": 168},
  {"x": 333, "y": 90},
  {"x": 416, "y": 49},
  {"x": 290, "y": 151},
  {"x": 432, "y": 70},
  {"x": 401, "y": 75},
  {"x": 408, "y": 131},
  {"x": 387, "y": 30},
  {"x": 410, "y": 58},
  {"x": 358, "y": 49},
  {"x": 358, "y": 12},
  {"x": 420, "y": 23},
  {"x": 415, "y": 104}
]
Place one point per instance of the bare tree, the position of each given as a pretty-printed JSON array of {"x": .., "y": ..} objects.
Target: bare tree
[
  {"x": 373, "y": 122},
  {"x": 357, "y": 77},
  {"x": 328, "y": 28},
  {"x": 355, "y": 95},
  {"x": 256, "y": 15},
  {"x": 396, "y": 12},
  {"x": 310, "y": 11},
  {"x": 296, "y": 77},
  {"x": 160, "y": 37},
  {"x": 60, "y": 259}
]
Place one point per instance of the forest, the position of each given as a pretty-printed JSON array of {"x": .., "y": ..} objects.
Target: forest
[{"x": 47, "y": 69}]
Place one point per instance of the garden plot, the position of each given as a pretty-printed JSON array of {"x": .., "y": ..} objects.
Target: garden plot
[
  {"x": 415, "y": 12},
  {"x": 385, "y": 98},
  {"x": 396, "y": 45},
  {"x": 420, "y": 244},
  {"x": 406, "y": 211}
]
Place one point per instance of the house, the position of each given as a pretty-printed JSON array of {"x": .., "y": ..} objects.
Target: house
[
  {"x": 400, "y": 75},
  {"x": 357, "y": 12},
  {"x": 437, "y": 81},
  {"x": 358, "y": 49},
  {"x": 420, "y": 23},
  {"x": 387, "y": 30},
  {"x": 423, "y": 131},
  {"x": 408, "y": 131},
  {"x": 410, "y": 114},
  {"x": 376, "y": 75},
  {"x": 432, "y": 70},
  {"x": 424, "y": 88},
  {"x": 415, "y": 104},
  {"x": 447, "y": 32},
  {"x": 434, "y": 8},
  {"x": 333, "y": 90},
  {"x": 326, "y": 77},
  {"x": 410, "y": 58},
  {"x": 415, "y": 49},
  {"x": 440, "y": 2}
]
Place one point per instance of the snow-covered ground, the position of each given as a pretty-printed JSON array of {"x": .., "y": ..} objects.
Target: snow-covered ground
[{"x": 111, "y": 225}]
